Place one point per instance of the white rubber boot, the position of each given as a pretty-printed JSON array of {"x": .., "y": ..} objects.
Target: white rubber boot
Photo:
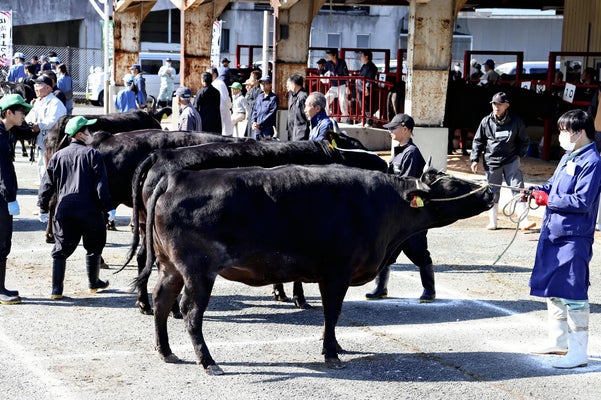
[
  {"x": 577, "y": 340},
  {"x": 525, "y": 224},
  {"x": 558, "y": 330},
  {"x": 492, "y": 218}
]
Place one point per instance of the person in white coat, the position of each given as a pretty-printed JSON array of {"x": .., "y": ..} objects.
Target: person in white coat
[{"x": 225, "y": 106}]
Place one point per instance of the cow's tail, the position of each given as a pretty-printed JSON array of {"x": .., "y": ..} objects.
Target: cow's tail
[
  {"x": 137, "y": 183},
  {"x": 142, "y": 279}
]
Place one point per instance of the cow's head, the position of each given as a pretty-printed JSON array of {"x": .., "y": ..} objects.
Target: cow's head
[{"x": 449, "y": 198}]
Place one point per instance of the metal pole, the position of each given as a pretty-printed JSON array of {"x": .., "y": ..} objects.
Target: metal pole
[
  {"x": 107, "y": 79},
  {"x": 265, "y": 43}
]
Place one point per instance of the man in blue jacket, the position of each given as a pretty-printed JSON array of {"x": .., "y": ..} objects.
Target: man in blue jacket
[
  {"x": 315, "y": 109},
  {"x": 264, "y": 111}
]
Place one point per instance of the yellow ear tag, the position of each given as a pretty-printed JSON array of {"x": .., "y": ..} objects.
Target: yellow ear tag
[
  {"x": 333, "y": 144},
  {"x": 416, "y": 202}
]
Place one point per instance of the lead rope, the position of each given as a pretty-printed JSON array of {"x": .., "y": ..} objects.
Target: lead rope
[{"x": 509, "y": 210}]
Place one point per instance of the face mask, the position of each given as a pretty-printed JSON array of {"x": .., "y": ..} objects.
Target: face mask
[{"x": 564, "y": 141}]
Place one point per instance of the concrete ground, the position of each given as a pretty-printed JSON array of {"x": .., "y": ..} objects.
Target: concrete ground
[{"x": 471, "y": 343}]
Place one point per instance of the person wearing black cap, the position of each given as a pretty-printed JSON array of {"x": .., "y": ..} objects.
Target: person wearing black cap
[
  {"x": 223, "y": 71},
  {"x": 490, "y": 76},
  {"x": 338, "y": 90},
  {"x": 167, "y": 75},
  {"x": 46, "y": 111},
  {"x": 140, "y": 83},
  {"x": 189, "y": 119},
  {"x": 77, "y": 176},
  {"x": 407, "y": 161},
  {"x": 501, "y": 139},
  {"x": 264, "y": 112},
  {"x": 12, "y": 113},
  {"x": 321, "y": 66}
]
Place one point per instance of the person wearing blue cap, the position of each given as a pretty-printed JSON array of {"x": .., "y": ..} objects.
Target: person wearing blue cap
[
  {"x": 126, "y": 98},
  {"x": 16, "y": 72},
  {"x": 140, "y": 83},
  {"x": 189, "y": 118},
  {"x": 77, "y": 176},
  {"x": 12, "y": 113},
  {"x": 264, "y": 112}
]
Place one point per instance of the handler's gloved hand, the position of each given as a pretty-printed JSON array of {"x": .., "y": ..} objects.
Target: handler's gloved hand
[
  {"x": 13, "y": 208},
  {"x": 112, "y": 215},
  {"x": 540, "y": 197},
  {"x": 43, "y": 218}
]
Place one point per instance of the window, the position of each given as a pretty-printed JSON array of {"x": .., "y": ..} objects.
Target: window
[
  {"x": 334, "y": 40},
  {"x": 363, "y": 41},
  {"x": 225, "y": 41}
]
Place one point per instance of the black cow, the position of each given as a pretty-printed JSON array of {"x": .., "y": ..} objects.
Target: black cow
[
  {"x": 336, "y": 226},
  {"x": 112, "y": 123},
  {"x": 234, "y": 155}
]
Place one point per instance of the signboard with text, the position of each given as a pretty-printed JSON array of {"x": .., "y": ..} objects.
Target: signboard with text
[
  {"x": 216, "y": 44},
  {"x": 6, "y": 38}
]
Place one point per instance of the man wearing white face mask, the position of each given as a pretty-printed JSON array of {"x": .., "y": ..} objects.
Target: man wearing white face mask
[
  {"x": 77, "y": 175},
  {"x": 565, "y": 247},
  {"x": 502, "y": 139}
]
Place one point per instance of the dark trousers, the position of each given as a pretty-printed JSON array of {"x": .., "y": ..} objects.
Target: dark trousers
[
  {"x": 68, "y": 231},
  {"x": 416, "y": 249},
  {"x": 6, "y": 229}
]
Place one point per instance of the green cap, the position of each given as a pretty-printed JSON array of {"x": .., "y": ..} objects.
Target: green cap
[
  {"x": 10, "y": 100},
  {"x": 236, "y": 85},
  {"x": 76, "y": 123}
]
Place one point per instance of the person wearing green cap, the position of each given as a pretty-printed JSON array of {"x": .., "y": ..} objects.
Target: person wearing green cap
[
  {"x": 238, "y": 110},
  {"x": 77, "y": 175},
  {"x": 12, "y": 113}
]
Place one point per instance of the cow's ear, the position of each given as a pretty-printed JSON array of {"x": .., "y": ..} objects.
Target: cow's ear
[{"x": 416, "y": 198}]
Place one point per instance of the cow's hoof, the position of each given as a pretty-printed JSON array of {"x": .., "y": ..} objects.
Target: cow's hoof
[
  {"x": 144, "y": 308},
  {"x": 177, "y": 314},
  {"x": 334, "y": 363},
  {"x": 302, "y": 304},
  {"x": 110, "y": 225},
  {"x": 280, "y": 295},
  {"x": 214, "y": 370},
  {"x": 170, "y": 359},
  {"x": 49, "y": 238}
]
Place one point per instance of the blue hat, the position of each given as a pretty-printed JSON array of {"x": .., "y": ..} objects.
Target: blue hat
[
  {"x": 183, "y": 92},
  {"x": 265, "y": 79},
  {"x": 135, "y": 66}
]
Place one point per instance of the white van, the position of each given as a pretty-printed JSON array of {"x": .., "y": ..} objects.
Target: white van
[
  {"x": 150, "y": 62},
  {"x": 537, "y": 68}
]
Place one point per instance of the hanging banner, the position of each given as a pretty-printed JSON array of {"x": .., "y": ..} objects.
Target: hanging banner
[
  {"x": 216, "y": 44},
  {"x": 6, "y": 38}
]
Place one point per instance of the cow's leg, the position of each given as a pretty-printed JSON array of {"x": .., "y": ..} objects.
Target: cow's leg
[
  {"x": 195, "y": 300},
  {"x": 278, "y": 292},
  {"x": 167, "y": 288},
  {"x": 142, "y": 301},
  {"x": 332, "y": 291},
  {"x": 298, "y": 295}
]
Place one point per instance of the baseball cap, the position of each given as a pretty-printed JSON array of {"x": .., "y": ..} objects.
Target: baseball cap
[
  {"x": 44, "y": 79},
  {"x": 55, "y": 60},
  {"x": 76, "y": 123},
  {"x": 400, "y": 120},
  {"x": 490, "y": 63},
  {"x": 11, "y": 100},
  {"x": 225, "y": 60},
  {"x": 500, "y": 98},
  {"x": 128, "y": 78},
  {"x": 19, "y": 55},
  {"x": 168, "y": 59},
  {"x": 265, "y": 79},
  {"x": 236, "y": 85},
  {"x": 321, "y": 61},
  {"x": 183, "y": 92},
  {"x": 135, "y": 66}
]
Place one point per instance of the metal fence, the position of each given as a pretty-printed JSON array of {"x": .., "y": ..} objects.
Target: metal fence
[{"x": 78, "y": 62}]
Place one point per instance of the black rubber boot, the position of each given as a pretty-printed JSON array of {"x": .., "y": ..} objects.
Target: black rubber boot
[
  {"x": 381, "y": 290},
  {"x": 427, "y": 275},
  {"x": 58, "y": 276},
  {"x": 7, "y": 296},
  {"x": 93, "y": 268}
]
